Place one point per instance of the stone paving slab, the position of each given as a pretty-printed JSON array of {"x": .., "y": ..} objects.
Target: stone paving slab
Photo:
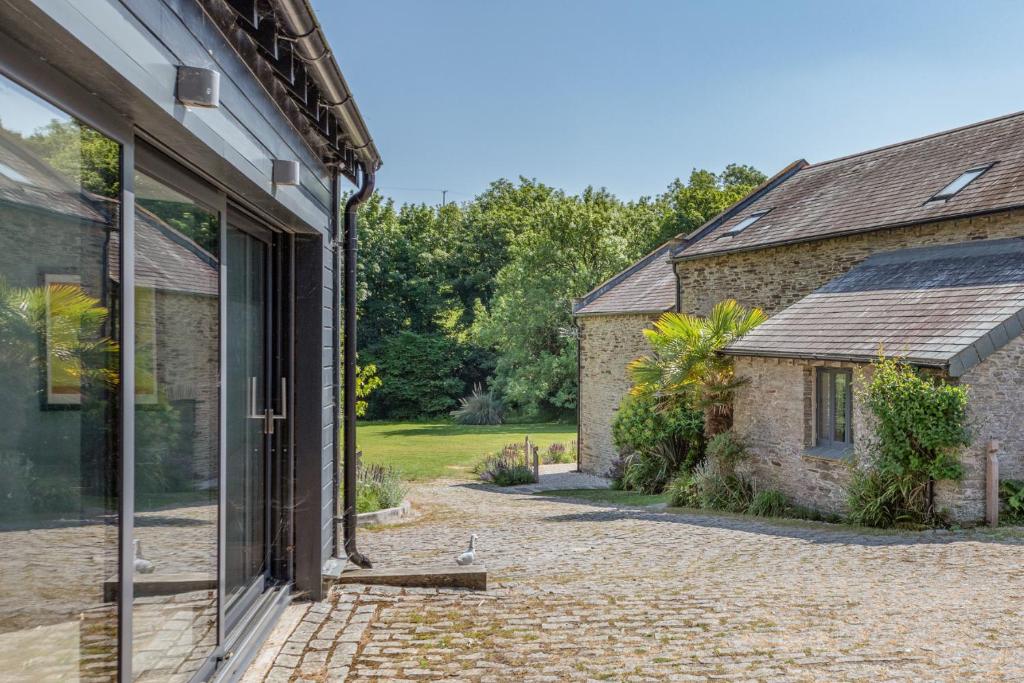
[{"x": 588, "y": 592}]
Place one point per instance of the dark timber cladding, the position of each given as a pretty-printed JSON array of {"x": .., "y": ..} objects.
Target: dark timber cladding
[
  {"x": 947, "y": 307},
  {"x": 210, "y": 279}
]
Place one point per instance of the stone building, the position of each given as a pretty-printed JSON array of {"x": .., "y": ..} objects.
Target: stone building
[{"x": 915, "y": 232}]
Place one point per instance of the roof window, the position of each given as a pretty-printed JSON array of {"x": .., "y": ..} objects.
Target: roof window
[
  {"x": 962, "y": 181},
  {"x": 745, "y": 223}
]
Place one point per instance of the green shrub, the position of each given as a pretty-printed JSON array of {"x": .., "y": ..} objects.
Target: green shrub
[
  {"x": 639, "y": 426},
  {"x": 920, "y": 428},
  {"x": 727, "y": 450},
  {"x": 718, "y": 490},
  {"x": 479, "y": 408},
  {"x": 558, "y": 453},
  {"x": 1011, "y": 493},
  {"x": 378, "y": 487},
  {"x": 655, "y": 444},
  {"x": 508, "y": 467},
  {"x": 682, "y": 491},
  {"x": 769, "y": 503},
  {"x": 514, "y": 476}
]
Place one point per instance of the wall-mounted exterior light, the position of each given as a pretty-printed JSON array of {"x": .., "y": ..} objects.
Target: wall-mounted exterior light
[
  {"x": 198, "y": 87},
  {"x": 286, "y": 172}
]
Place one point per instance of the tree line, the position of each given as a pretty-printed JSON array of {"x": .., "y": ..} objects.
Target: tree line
[{"x": 480, "y": 293}]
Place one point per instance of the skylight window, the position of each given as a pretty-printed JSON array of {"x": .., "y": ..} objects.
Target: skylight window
[
  {"x": 744, "y": 224},
  {"x": 964, "y": 179}
]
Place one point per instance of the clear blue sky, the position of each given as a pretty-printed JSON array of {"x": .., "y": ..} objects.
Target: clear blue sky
[{"x": 629, "y": 95}]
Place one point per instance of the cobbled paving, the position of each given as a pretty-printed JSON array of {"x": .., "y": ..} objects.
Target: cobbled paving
[{"x": 583, "y": 592}]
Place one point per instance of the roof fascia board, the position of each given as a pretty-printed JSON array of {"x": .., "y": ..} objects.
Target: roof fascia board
[{"x": 645, "y": 311}]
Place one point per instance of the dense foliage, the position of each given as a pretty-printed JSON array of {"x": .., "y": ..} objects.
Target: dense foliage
[
  {"x": 655, "y": 443},
  {"x": 378, "y": 487},
  {"x": 920, "y": 428},
  {"x": 511, "y": 466},
  {"x": 1011, "y": 494},
  {"x": 486, "y": 287},
  {"x": 685, "y": 363}
]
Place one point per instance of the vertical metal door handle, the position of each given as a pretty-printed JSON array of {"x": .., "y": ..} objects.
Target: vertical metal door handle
[{"x": 253, "y": 413}]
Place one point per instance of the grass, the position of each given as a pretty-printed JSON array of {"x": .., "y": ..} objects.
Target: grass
[
  {"x": 442, "y": 450},
  {"x": 609, "y": 496}
]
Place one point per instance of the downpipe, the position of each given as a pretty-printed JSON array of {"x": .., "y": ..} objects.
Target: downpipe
[{"x": 349, "y": 367}]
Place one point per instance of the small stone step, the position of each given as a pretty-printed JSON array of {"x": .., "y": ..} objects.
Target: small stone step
[{"x": 473, "y": 577}]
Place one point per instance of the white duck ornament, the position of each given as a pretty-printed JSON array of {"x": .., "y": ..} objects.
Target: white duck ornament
[{"x": 469, "y": 556}]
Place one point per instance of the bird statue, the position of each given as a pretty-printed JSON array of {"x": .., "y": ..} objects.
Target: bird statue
[
  {"x": 469, "y": 556},
  {"x": 142, "y": 565}
]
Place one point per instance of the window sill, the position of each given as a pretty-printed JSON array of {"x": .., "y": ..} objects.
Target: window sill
[{"x": 829, "y": 453}]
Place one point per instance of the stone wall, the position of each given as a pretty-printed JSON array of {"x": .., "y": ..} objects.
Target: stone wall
[
  {"x": 776, "y": 277},
  {"x": 607, "y": 344},
  {"x": 995, "y": 402},
  {"x": 774, "y": 414}
]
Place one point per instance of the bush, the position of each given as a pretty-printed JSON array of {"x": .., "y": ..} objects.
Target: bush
[
  {"x": 378, "y": 487},
  {"x": 682, "y": 491},
  {"x": 1011, "y": 493},
  {"x": 717, "y": 490},
  {"x": 769, "y": 503},
  {"x": 479, "y": 408},
  {"x": 507, "y": 467},
  {"x": 639, "y": 426},
  {"x": 655, "y": 444},
  {"x": 727, "y": 450},
  {"x": 558, "y": 453},
  {"x": 920, "y": 427}
]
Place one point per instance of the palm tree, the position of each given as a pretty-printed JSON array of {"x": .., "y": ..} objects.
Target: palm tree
[{"x": 686, "y": 364}]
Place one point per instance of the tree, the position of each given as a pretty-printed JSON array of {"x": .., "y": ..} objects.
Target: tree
[{"x": 686, "y": 365}]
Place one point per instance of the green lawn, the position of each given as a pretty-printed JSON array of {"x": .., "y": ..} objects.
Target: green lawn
[
  {"x": 608, "y": 496},
  {"x": 435, "y": 450}
]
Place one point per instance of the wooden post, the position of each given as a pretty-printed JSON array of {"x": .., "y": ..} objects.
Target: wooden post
[
  {"x": 536, "y": 463},
  {"x": 992, "y": 484},
  {"x": 526, "y": 451}
]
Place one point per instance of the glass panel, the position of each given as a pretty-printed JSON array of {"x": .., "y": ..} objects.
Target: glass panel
[
  {"x": 59, "y": 218},
  {"x": 959, "y": 184},
  {"x": 247, "y": 395},
  {"x": 177, "y": 435},
  {"x": 841, "y": 392},
  {"x": 824, "y": 401}
]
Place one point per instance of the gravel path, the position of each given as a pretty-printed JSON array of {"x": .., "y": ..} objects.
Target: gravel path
[{"x": 588, "y": 592}]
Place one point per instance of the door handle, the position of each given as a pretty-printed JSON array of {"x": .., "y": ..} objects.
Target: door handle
[{"x": 268, "y": 415}]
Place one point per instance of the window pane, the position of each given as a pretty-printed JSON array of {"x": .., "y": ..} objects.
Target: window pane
[
  {"x": 841, "y": 389},
  {"x": 177, "y": 436},
  {"x": 59, "y": 293}
]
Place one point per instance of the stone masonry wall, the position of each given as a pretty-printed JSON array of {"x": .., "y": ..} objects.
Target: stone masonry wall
[
  {"x": 776, "y": 277},
  {"x": 774, "y": 414},
  {"x": 995, "y": 404},
  {"x": 607, "y": 344}
]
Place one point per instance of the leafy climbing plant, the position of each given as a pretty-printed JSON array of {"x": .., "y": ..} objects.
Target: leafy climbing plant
[{"x": 920, "y": 428}]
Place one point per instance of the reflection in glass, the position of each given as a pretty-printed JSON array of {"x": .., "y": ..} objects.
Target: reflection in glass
[
  {"x": 59, "y": 293},
  {"x": 246, "y": 479},
  {"x": 176, "y": 432},
  {"x": 841, "y": 389}
]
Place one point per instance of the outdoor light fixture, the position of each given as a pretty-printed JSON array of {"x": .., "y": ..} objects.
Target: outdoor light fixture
[
  {"x": 198, "y": 87},
  {"x": 286, "y": 172}
]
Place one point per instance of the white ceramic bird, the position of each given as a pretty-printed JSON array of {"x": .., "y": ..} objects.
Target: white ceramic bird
[
  {"x": 142, "y": 565},
  {"x": 469, "y": 556}
]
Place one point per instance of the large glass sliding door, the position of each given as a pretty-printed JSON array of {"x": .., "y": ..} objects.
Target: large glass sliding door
[
  {"x": 177, "y": 423},
  {"x": 249, "y": 424},
  {"x": 59, "y": 384}
]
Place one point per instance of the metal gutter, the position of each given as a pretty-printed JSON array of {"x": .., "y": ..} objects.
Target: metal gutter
[
  {"x": 846, "y": 358},
  {"x": 299, "y": 20}
]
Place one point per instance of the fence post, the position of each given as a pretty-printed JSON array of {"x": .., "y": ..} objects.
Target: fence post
[
  {"x": 992, "y": 484},
  {"x": 536, "y": 463}
]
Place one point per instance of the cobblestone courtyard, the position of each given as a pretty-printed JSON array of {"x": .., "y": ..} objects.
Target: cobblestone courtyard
[{"x": 585, "y": 592}]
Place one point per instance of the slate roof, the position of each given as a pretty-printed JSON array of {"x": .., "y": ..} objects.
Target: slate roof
[
  {"x": 948, "y": 307},
  {"x": 648, "y": 286},
  {"x": 881, "y": 188}
]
